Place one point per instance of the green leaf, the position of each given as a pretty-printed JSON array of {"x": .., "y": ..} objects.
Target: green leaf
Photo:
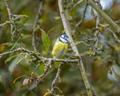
[{"x": 46, "y": 42}]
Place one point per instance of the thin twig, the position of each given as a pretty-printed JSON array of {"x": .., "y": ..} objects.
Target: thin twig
[
  {"x": 97, "y": 32},
  {"x": 5, "y": 23},
  {"x": 114, "y": 35},
  {"x": 9, "y": 14},
  {"x": 17, "y": 17},
  {"x": 83, "y": 16},
  {"x": 39, "y": 13},
  {"x": 40, "y": 78},
  {"x": 75, "y": 5},
  {"x": 48, "y": 66},
  {"x": 55, "y": 80},
  {"x": 12, "y": 24}
]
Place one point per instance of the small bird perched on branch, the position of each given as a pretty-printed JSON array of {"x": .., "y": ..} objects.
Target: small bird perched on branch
[{"x": 60, "y": 45}]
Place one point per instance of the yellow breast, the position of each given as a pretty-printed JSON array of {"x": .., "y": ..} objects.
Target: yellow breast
[{"x": 59, "y": 48}]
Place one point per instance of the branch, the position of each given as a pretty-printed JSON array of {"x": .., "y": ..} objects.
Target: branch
[
  {"x": 83, "y": 16},
  {"x": 68, "y": 31},
  {"x": 67, "y": 27},
  {"x": 36, "y": 23},
  {"x": 37, "y": 56},
  {"x": 114, "y": 35},
  {"x": 56, "y": 79},
  {"x": 5, "y": 23},
  {"x": 17, "y": 17},
  {"x": 9, "y": 14},
  {"x": 75, "y": 5},
  {"x": 12, "y": 24}
]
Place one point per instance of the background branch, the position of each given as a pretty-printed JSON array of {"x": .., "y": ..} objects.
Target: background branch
[{"x": 36, "y": 23}]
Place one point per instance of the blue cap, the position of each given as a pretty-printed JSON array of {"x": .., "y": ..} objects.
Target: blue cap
[{"x": 64, "y": 38}]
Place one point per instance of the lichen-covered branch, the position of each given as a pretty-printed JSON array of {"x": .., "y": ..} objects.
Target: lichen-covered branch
[
  {"x": 37, "y": 55},
  {"x": 10, "y": 18},
  {"x": 68, "y": 31}
]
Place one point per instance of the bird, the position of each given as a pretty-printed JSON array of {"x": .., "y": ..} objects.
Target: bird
[{"x": 60, "y": 46}]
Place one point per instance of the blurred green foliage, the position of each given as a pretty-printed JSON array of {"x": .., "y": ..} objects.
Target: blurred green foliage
[{"x": 21, "y": 65}]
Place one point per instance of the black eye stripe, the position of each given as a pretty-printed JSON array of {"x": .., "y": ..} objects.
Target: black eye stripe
[
  {"x": 65, "y": 40},
  {"x": 64, "y": 37}
]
